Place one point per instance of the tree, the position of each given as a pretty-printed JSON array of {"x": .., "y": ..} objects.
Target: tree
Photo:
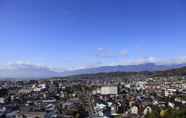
[{"x": 153, "y": 114}]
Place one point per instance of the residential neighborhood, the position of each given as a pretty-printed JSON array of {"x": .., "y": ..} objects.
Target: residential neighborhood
[{"x": 84, "y": 98}]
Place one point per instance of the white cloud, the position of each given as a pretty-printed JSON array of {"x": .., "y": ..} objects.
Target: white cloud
[
  {"x": 108, "y": 53},
  {"x": 141, "y": 61},
  {"x": 178, "y": 60},
  {"x": 104, "y": 53},
  {"x": 158, "y": 61},
  {"x": 23, "y": 64},
  {"x": 97, "y": 63},
  {"x": 100, "y": 49},
  {"x": 124, "y": 53},
  {"x": 25, "y": 70}
]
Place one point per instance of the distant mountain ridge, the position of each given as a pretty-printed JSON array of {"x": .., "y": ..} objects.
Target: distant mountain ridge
[
  {"x": 178, "y": 73},
  {"x": 125, "y": 68},
  {"x": 26, "y": 71}
]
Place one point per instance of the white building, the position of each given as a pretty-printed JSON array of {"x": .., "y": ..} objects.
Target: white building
[
  {"x": 107, "y": 90},
  {"x": 147, "y": 110},
  {"x": 134, "y": 110},
  {"x": 2, "y": 100}
]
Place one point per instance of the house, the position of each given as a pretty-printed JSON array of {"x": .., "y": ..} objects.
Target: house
[
  {"x": 2, "y": 100},
  {"x": 134, "y": 110},
  {"x": 147, "y": 110}
]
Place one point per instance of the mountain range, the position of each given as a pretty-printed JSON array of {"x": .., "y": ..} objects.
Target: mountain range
[
  {"x": 28, "y": 71},
  {"x": 127, "y": 68}
]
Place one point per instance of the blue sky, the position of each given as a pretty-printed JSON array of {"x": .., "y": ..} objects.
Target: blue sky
[{"x": 75, "y": 33}]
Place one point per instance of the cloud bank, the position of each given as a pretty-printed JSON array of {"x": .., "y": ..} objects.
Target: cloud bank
[{"x": 25, "y": 69}]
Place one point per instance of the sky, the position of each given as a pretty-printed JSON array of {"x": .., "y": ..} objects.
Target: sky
[{"x": 70, "y": 34}]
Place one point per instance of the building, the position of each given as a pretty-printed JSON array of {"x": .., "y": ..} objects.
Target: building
[{"x": 109, "y": 90}]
